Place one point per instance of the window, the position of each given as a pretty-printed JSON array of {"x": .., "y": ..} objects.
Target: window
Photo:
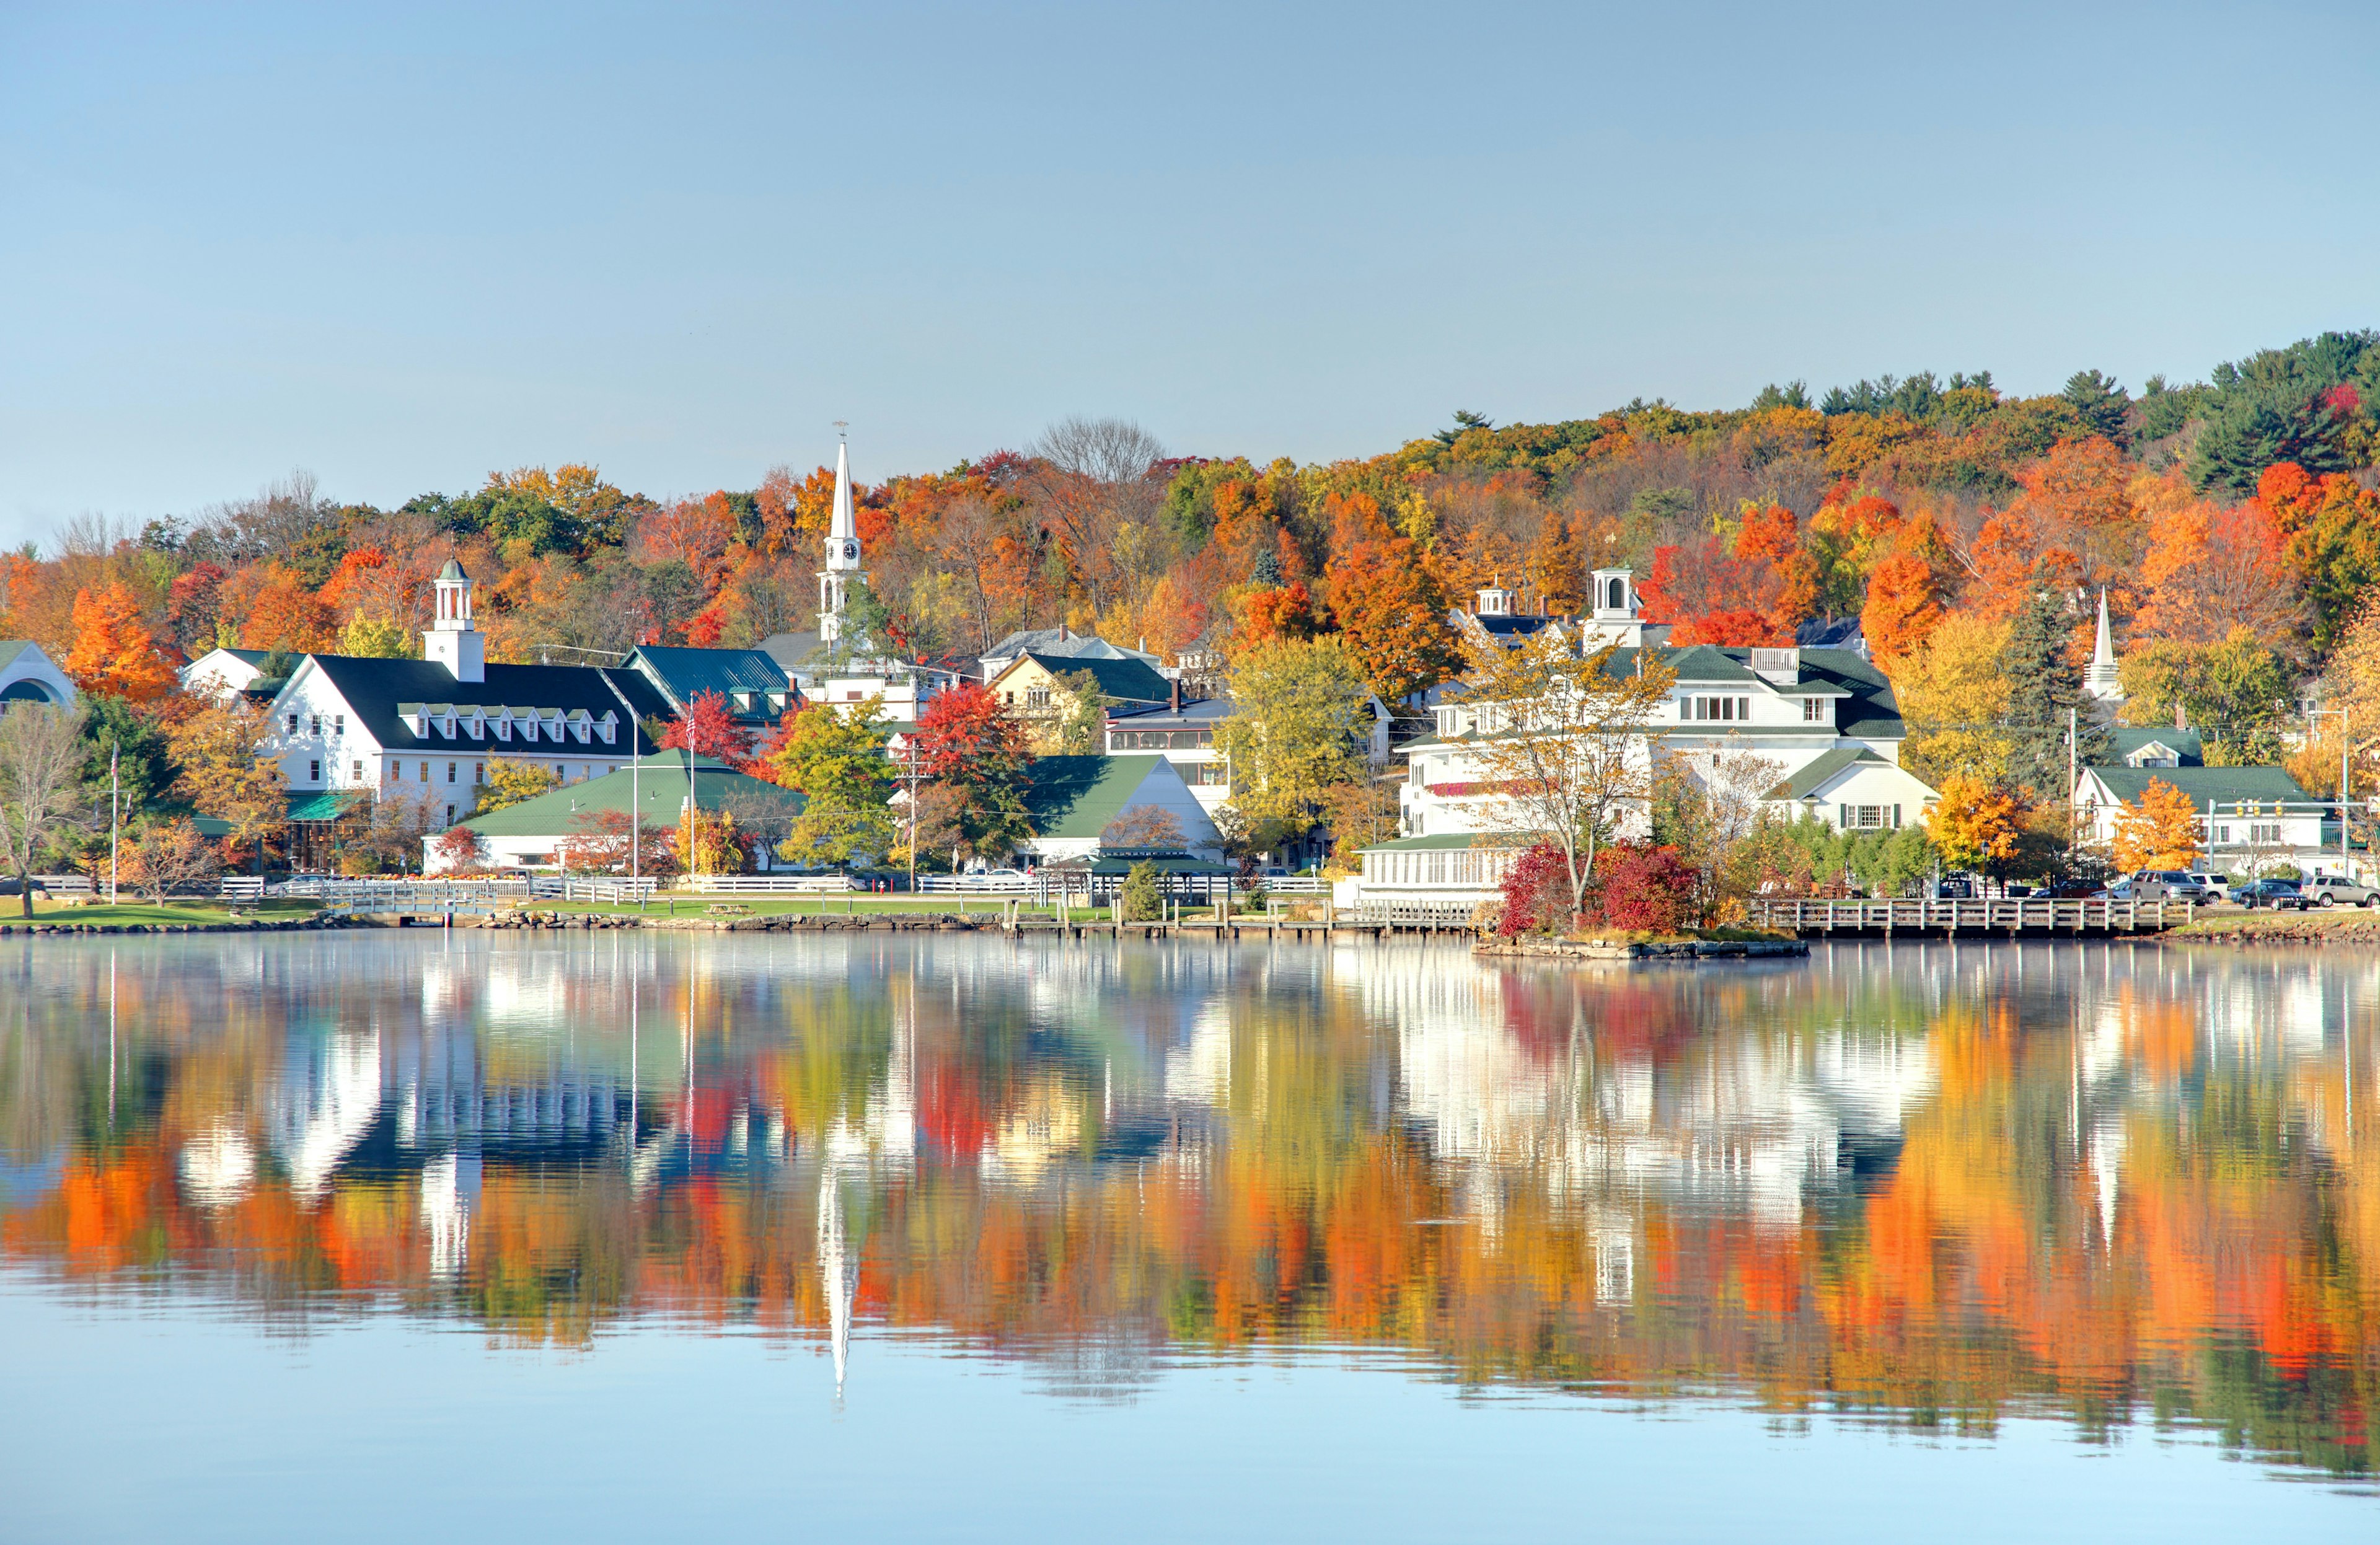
[
  {"x": 2265, "y": 834},
  {"x": 450, "y": 815},
  {"x": 313, "y": 724},
  {"x": 356, "y": 770},
  {"x": 450, "y": 772},
  {"x": 313, "y": 772},
  {"x": 425, "y": 772},
  {"x": 1814, "y": 710},
  {"x": 2220, "y": 833},
  {"x": 1867, "y": 818},
  {"x": 338, "y": 723},
  {"x": 396, "y": 770},
  {"x": 1208, "y": 774},
  {"x": 478, "y": 773},
  {"x": 1722, "y": 710},
  {"x": 560, "y": 770},
  {"x": 293, "y": 724},
  {"x": 1035, "y": 697}
]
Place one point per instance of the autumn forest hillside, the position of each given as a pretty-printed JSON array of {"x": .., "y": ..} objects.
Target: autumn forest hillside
[{"x": 2234, "y": 524}]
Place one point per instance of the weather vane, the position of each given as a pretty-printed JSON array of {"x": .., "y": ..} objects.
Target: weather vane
[{"x": 841, "y": 425}]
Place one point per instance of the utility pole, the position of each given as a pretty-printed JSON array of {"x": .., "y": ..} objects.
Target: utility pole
[
  {"x": 115, "y": 822},
  {"x": 2072, "y": 730}
]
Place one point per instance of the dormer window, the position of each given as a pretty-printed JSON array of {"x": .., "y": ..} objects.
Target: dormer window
[
  {"x": 608, "y": 726},
  {"x": 1814, "y": 710}
]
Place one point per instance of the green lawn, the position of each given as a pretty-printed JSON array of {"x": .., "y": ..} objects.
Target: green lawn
[{"x": 12, "y": 916}]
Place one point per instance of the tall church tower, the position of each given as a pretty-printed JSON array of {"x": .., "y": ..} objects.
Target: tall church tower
[
  {"x": 451, "y": 640},
  {"x": 841, "y": 551}
]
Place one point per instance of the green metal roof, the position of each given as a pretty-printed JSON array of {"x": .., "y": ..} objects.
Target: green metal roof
[
  {"x": 659, "y": 782},
  {"x": 1124, "y": 680},
  {"x": 1447, "y": 840},
  {"x": 1700, "y": 663},
  {"x": 1077, "y": 796},
  {"x": 2206, "y": 786},
  {"x": 2189, "y": 745},
  {"x": 11, "y": 648},
  {"x": 1810, "y": 779}
]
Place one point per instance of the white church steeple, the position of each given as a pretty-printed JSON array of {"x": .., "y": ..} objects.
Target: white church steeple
[
  {"x": 841, "y": 550},
  {"x": 2102, "y": 681}
]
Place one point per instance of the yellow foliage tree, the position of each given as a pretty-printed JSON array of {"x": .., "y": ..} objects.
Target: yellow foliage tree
[
  {"x": 365, "y": 636},
  {"x": 511, "y": 782},
  {"x": 113, "y": 655},
  {"x": 228, "y": 771},
  {"x": 707, "y": 843},
  {"x": 1977, "y": 824},
  {"x": 2159, "y": 831},
  {"x": 1954, "y": 695}
]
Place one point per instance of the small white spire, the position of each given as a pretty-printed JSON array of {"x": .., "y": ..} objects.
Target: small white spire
[
  {"x": 2103, "y": 682},
  {"x": 844, "y": 527}
]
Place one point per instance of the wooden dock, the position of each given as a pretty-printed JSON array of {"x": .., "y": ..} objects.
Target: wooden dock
[{"x": 2014, "y": 917}]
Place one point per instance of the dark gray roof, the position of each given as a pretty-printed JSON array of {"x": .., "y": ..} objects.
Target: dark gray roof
[
  {"x": 375, "y": 688},
  {"x": 685, "y": 674},
  {"x": 1125, "y": 680},
  {"x": 1203, "y": 713}
]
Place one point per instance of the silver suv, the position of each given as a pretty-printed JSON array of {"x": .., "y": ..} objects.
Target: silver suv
[{"x": 2332, "y": 890}]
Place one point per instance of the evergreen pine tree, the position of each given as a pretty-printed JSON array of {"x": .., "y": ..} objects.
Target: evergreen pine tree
[
  {"x": 2044, "y": 684},
  {"x": 2101, "y": 403}
]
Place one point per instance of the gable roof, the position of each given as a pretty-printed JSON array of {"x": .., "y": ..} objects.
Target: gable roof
[
  {"x": 684, "y": 673},
  {"x": 2189, "y": 745},
  {"x": 1063, "y": 642},
  {"x": 1124, "y": 680},
  {"x": 2205, "y": 786},
  {"x": 1077, "y": 796},
  {"x": 1806, "y": 781},
  {"x": 374, "y": 688},
  {"x": 659, "y": 783}
]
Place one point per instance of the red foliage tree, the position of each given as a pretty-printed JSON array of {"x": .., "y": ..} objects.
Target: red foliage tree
[{"x": 708, "y": 729}]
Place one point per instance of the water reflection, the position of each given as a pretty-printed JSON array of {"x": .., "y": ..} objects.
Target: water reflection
[{"x": 1933, "y": 1186}]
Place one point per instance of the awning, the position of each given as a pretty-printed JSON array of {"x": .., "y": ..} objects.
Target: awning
[{"x": 323, "y": 805}]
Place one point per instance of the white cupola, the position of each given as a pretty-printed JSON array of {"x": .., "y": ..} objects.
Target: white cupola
[
  {"x": 1494, "y": 600},
  {"x": 1615, "y": 595},
  {"x": 451, "y": 640}
]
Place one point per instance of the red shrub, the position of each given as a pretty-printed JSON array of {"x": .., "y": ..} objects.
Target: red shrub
[
  {"x": 1536, "y": 893},
  {"x": 1645, "y": 888}
]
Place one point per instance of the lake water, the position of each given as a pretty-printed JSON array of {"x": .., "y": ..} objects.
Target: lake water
[{"x": 367, "y": 1237}]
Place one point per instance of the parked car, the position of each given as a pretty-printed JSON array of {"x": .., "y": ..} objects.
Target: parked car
[
  {"x": 2217, "y": 885},
  {"x": 2167, "y": 885},
  {"x": 1957, "y": 887},
  {"x": 2333, "y": 890},
  {"x": 2280, "y": 894}
]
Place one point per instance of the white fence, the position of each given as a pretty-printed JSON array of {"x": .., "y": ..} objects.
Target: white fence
[
  {"x": 1294, "y": 885},
  {"x": 977, "y": 884},
  {"x": 760, "y": 884}
]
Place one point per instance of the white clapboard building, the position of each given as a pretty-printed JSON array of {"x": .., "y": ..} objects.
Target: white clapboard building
[{"x": 1823, "y": 721}]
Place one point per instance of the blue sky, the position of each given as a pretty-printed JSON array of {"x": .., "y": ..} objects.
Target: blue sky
[{"x": 401, "y": 248}]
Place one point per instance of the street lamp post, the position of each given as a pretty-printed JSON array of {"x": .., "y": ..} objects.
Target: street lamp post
[
  {"x": 2345, "y": 747},
  {"x": 636, "y": 799}
]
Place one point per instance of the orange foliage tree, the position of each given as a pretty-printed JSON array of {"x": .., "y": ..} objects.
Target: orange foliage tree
[
  {"x": 113, "y": 655},
  {"x": 2331, "y": 527},
  {"x": 1393, "y": 617},
  {"x": 2158, "y": 831},
  {"x": 1901, "y": 610}
]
